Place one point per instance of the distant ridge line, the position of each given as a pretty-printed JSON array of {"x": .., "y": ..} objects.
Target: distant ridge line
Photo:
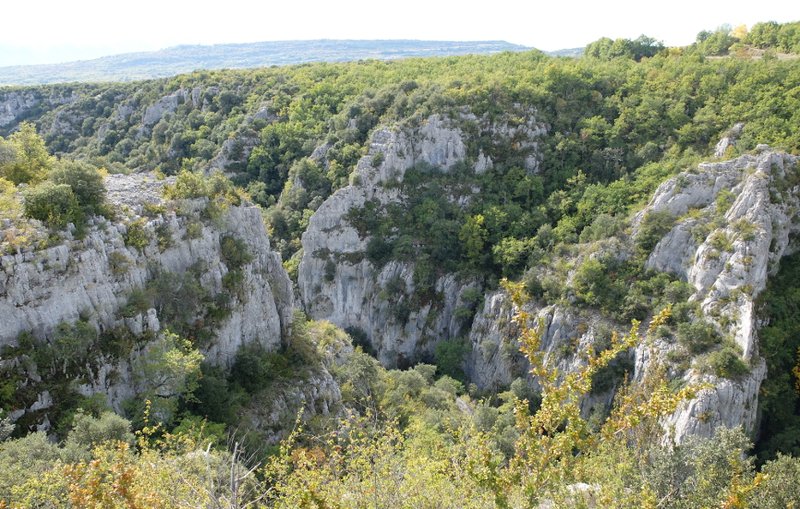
[{"x": 191, "y": 57}]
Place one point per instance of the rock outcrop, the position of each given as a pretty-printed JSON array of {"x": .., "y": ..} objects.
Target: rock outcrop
[
  {"x": 94, "y": 277},
  {"x": 336, "y": 280},
  {"x": 495, "y": 360},
  {"x": 351, "y": 296},
  {"x": 16, "y": 105},
  {"x": 733, "y": 222}
]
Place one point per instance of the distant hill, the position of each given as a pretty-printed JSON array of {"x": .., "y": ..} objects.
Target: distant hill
[
  {"x": 566, "y": 52},
  {"x": 181, "y": 59}
]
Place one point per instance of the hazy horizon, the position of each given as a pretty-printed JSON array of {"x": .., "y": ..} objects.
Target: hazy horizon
[{"x": 88, "y": 29}]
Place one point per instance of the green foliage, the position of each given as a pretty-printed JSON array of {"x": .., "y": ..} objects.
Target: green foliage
[
  {"x": 591, "y": 282},
  {"x": 118, "y": 263},
  {"x": 727, "y": 362},
  {"x": 10, "y": 206},
  {"x": 778, "y": 485},
  {"x": 215, "y": 398},
  {"x": 137, "y": 234},
  {"x": 603, "y": 226},
  {"x": 86, "y": 184},
  {"x": 636, "y": 49},
  {"x": 24, "y": 458},
  {"x": 254, "y": 368},
  {"x": 717, "y": 42},
  {"x": 217, "y": 189},
  {"x": 53, "y": 204},
  {"x": 89, "y": 432},
  {"x": 701, "y": 472},
  {"x": 619, "y": 123},
  {"x": 234, "y": 251},
  {"x": 779, "y": 340},
  {"x": 783, "y": 37},
  {"x": 167, "y": 371},
  {"x": 24, "y": 157},
  {"x": 652, "y": 229},
  {"x": 697, "y": 336},
  {"x": 450, "y": 356}
]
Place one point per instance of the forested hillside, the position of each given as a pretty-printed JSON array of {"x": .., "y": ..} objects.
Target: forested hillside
[{"x": 481, "y": 281}]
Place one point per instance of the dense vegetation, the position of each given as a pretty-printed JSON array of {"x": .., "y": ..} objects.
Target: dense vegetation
[
  {"x": 780, "y": 346},
  {"x": 405, "y": 442},
  {"x": 617, "y": 126},
  {"x": 619, "y": 121}
]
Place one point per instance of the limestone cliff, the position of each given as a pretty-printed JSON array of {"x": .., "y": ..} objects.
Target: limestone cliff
[
  {"x": 94, "y": 278},
  {"x": 733, "y": 223},
  {"x": 16, "y": 105},
  {"x": 336, "y": 280}
]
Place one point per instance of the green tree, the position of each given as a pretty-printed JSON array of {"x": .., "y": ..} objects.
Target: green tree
[
  {"x": 167, "y": 371},
  {"x": 86, "y": 184},
  {"x": 53, "y": 204},
  {"x": 24, "y": 157},
  {"x": 473, "y": 236}
]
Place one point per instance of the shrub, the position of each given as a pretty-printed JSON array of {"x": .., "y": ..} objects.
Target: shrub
[
  {"x": 137, "y": 235},
  {"x": 138, "y": 302},
  {"x": 655, "y": 225},
  {"x": 192, "y": 185},
  {"x": 720, "y": 241},
  {"x": 10, "y": 207},
  {"x": 727, "y": 363},
  {"x": 234, "y": 252},
  {"x": 89, "y": 432},
  {"x": 591, "y": 282},
  {"x": 86, "y": 183},
  {"x": 193, "y": 230},
  {"x": 330, "y": 270},
  {"x": 604, "y": 226},
  {"x": 188, "y": 185},
  {"x": 449, "y": 357},
  {"x": 361, "y": 340},
  {"x": 118, "y": 263},
  {"x": 254, "y": 368},
  {"x": 214, "y": 398},
  {"x": 163, "y": 236},
  {"x": 613, "y": 374},
  {"x": 697, "y": 336},
  {"x": 24, "y": 157},
  {"x": 379, "y": 251},
  {"x": 724, "y": 200},
  {"x": 779, "y": 486},
  {"x": 53, "y": 204}
]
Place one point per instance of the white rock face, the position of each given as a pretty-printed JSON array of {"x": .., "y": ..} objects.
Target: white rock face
[
  {"x": 40, "y": 289},
  {"x": 338, "y": 283},
  {"x": 167, "y": 104},
  {"x": 728, "y": 140},
  {"x": 733, "y": 226},
  {"x": 352, "y": 296},
  {"x": 15, "y": 104},
  {"x": 495, "y": 360},
  {"x": 740, "y": 200}
]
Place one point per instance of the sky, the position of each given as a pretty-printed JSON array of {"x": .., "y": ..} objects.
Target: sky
[{"x": 48, "y": 31}]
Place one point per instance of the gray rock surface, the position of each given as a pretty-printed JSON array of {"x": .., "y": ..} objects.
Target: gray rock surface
[
  {"x": 336, "y": 280},
  {"x": 76, "y": 278},
  {"x": 351, "y": 298},
  {"x": 733, "y": 224},
  {"x": 15, "y": 104}
]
